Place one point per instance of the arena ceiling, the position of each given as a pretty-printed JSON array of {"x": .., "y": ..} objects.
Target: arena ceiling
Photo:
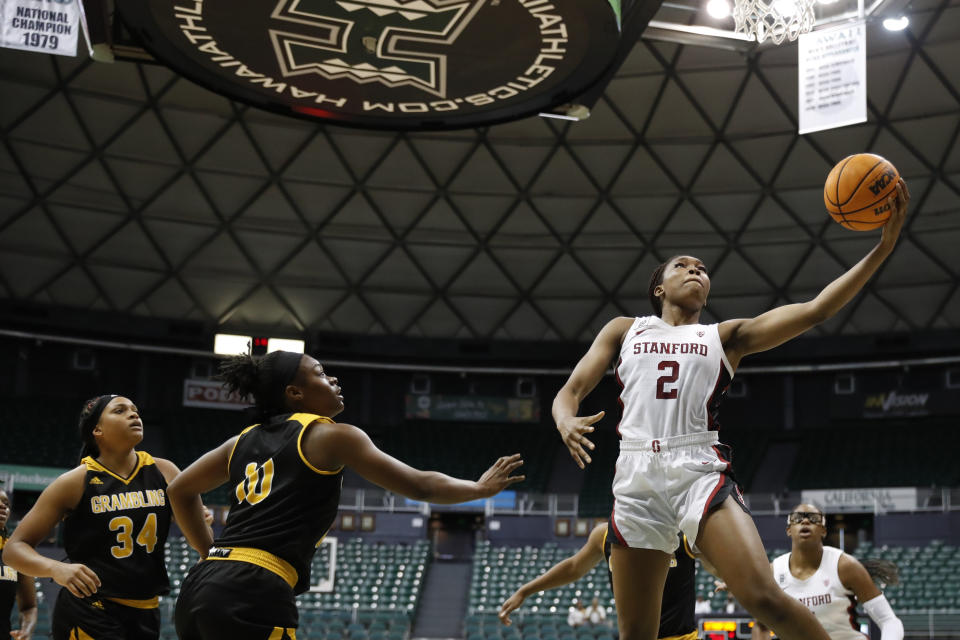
[{"x": 126, "y": 188}]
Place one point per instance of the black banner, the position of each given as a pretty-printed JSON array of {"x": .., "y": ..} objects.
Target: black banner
[
  {"x": 896, "y": 403},
  {"x": 395, "y": 64}
]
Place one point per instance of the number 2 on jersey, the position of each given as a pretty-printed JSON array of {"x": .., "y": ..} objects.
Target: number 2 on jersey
[
  {"x": 662, "y": 392},
  {"x": 147, "y": 538}
]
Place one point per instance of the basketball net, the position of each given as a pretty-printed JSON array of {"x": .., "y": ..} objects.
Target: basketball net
[{"x": 777, "y": 19}]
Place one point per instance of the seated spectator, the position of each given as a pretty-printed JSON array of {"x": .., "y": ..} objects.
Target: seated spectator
[
  {"x": 577, "y": 616},
  {"x": 596, "y": 614},
  {"x": 702, "y": 605},
  {"x": 731, "y": 606}
]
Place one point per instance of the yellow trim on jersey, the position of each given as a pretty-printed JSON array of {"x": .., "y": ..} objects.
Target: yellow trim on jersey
[
  {"x": 230, "y": 457},
  {"x": 263, "y": 559},
  {"x": 686, "y": 547},
  {"x": 149, "y": 603},
  {"x": 144, "y": 459},
  {"x": 79, "y": 634},
  {"x": 687, "y": 636},
  {"x": 307, "y": 419},
  {"x": 279, "y": 633}
]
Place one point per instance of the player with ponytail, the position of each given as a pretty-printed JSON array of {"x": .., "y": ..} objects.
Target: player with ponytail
[{"x": 285, "y": 471}]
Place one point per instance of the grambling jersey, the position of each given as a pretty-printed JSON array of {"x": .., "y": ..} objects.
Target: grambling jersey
[
  {"x": 8, "y": 594},
  {"x": 672, "y": 379},
  {"x": 833, "y": 604},
  {"x": 281, "y": 504},
  {"x": 119, "y": 529}
]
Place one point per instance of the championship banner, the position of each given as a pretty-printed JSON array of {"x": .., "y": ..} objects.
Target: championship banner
[
  {"x": 472, "y": 408},
  {"x": 869, "y": 500},
  {"x": 28, "y": 477},
  {"x": 208, "y": 394},
  {"x": 832, "y": 72},
  {"x": 42, "y": 26}
]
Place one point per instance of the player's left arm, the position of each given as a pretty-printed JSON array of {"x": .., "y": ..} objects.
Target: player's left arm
[
  {"x": 205, "y": 474},
  {"x": 744, "y": 336},
  {"x": 170, "y": 471},
  {"x": 564, "y": 572},
  {"x": 854, "y": 576},
  {"x": 26, "y": 607}
]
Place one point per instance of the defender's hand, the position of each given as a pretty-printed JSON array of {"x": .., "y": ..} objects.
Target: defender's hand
[
  {"x": 509, "y": 605},
  {"x": 497, "y": 478}
]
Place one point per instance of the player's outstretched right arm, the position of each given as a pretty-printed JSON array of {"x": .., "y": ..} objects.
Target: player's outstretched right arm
[
  {"x": 564, "y": 572},
  {"x": 54, "y": 503},
  {"x": 585, "y": 376},
  {"x": 330, "y": 445}
]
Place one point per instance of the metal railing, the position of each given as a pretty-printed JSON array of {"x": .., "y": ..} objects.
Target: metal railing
[
  {"x": 567, "y": 505},
  {"x": 524, "y": 504}
]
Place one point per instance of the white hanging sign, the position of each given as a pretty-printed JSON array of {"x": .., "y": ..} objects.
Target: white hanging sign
[
  {"x": 832, "y": 74},
  {"x": 44, "y": 26}
]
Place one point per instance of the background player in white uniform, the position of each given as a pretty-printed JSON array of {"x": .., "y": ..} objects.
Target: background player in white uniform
[
  {"x": 670, "y": 476},
  {"x": 828, "y": 581}
]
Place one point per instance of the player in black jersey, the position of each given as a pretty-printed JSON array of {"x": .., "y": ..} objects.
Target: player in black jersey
[
  {"x": 677, "y": 620},
  {"x": 116, "y": 519},
  {"x": 286, "y": 472},
  {"x": 15, "y": 587}
]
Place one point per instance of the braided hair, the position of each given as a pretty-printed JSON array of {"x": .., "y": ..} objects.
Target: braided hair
[
  {"x": 265, "y": 379},
  {"x": 656, "y": 279},
  {"x": 883, "y": 572}
]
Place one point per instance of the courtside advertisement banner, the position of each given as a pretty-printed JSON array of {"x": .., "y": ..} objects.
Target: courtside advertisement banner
[
  {"x": 43, "y": 26},
  {"x": 389, "y": 64},
  {"x": 472, "y": 408},
  {"x": 209, "y": 394},
  {"x": 896, "y": 403},
  {"x": 28, "y": 477},
  {"x": 880, "y": 498}
]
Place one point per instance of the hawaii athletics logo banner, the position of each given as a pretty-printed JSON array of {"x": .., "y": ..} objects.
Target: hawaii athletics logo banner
[{"x": 393, "y": 64}]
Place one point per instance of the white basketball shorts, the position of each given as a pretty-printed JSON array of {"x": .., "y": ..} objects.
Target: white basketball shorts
[{"x": 665, "y": 486}]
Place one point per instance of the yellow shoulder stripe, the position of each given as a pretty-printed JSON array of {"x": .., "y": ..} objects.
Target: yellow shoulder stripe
[
  {"x": 143, "y": 459},
  {"x": 230, "y": 457},
  {"x": 306, "y": 419}
]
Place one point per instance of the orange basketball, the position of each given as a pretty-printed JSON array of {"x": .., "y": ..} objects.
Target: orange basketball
[{"x": 857, "y": 189}]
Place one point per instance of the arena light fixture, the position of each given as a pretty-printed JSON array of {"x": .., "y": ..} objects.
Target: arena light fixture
[
  {"x": 284, "y": 344},
  {"x": 896, "y": 24},
  {"x": 228, "y": 344},
  {"x": 718, "y": 9}
]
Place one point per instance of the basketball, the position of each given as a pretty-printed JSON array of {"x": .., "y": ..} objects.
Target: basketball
[{"x": 857, "y": 189}]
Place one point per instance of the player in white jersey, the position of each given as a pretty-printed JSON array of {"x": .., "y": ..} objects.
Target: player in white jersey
[
  {"x": 828, "y": 581},
  {"x": 672, "y": 474}
]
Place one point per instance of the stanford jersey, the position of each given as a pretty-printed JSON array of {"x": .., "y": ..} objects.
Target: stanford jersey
[
  {"x": 672, "y": 379},
  {"x": 833, "y": 604}
]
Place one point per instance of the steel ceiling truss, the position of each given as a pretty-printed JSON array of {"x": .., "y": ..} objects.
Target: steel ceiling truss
[{"x": 478, "y": 243}]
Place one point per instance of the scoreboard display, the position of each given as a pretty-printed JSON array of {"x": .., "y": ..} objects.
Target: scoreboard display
[
  {"x": 733, "y": 628},
  {"x": 726, "y": 628}
]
